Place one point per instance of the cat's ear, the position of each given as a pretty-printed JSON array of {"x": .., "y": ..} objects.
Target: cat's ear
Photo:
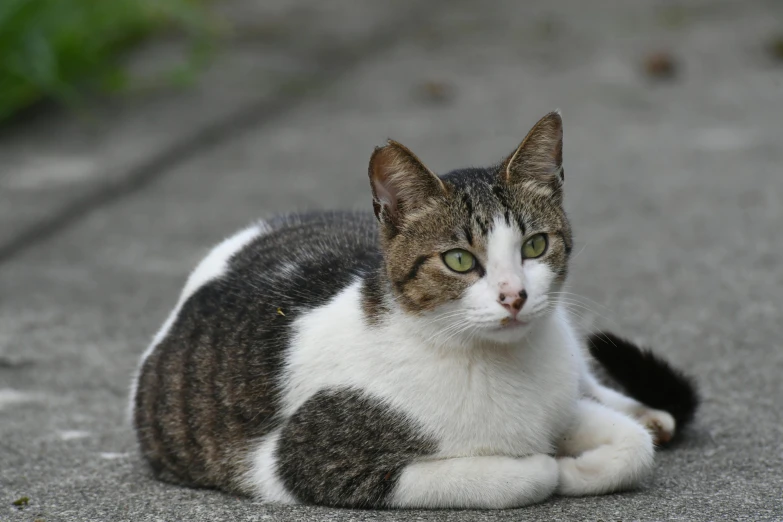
[
  {"x": 401, "y": 183},
  {"x": 538, "y": 161}
]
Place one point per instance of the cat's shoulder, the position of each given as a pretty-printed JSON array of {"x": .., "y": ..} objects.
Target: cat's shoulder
[
  {"x": 293, "y": 261},
  {"x": 309, "y": 238}
]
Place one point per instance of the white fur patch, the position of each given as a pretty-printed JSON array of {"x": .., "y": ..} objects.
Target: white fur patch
[
  {"x": 212, "y": 267},
  {"x": 504, "y": 257},
  {"x": 262, "y": 480}
]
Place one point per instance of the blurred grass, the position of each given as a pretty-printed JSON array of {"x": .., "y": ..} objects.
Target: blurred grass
[{"x": 64, "y": 49}]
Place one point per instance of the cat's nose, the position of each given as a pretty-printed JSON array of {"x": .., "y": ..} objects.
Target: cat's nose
[{"x": 513, "y": 302}]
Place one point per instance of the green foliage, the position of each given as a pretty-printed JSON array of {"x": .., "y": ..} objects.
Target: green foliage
[
  {"x": 21, "y": 502},
  {"x": 58, "y": 49}
]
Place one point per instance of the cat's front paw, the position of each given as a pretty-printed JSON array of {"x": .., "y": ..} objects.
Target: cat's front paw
[
  {"x": 546, "y": 471},
  {"x": 659, "y": 423},
  {"x": 545, "y": 467},
  {"x": 570, "y": 477}
]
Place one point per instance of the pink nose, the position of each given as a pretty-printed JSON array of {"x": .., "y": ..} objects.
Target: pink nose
[{"x": 513, "y": 302}]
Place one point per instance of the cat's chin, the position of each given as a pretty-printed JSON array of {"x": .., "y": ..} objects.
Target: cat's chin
[
  {"x": 507, "y": 333},
  {"x": 512, "y": 331}
]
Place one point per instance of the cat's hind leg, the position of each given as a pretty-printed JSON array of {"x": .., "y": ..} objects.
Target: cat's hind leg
[
  {"x": 664, "y": 398},
  {"x": 660, "y": 423},
  {"x": 605, "y": 451}
]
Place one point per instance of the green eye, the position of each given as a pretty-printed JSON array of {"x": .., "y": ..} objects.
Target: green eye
[
  {"x": 459, "y": 260},
  {"x": 534, "y": 247}
]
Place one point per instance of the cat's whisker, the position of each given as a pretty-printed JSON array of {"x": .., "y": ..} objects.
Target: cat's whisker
[
  {"x": 578, "y": 296},
  {"x": 455, "y": 333},
  {"x": 577, "y": 254},
  {"x": 447, "y": 315},
  {"x": 444, "y": 334},
  {"x": 450, "y": 331},
  {"x": 566, "y": 302},
  {"x": 579, "y": 314},
  {"x": 586, "y": 308}
]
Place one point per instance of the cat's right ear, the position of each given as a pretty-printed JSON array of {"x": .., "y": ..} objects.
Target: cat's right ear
[{"x": 401, "y": 183}]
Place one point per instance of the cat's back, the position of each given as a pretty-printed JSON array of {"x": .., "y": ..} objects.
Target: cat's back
[{"x": 209, "y": 380}]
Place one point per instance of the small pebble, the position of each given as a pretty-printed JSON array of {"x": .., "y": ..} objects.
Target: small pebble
[
  {"x": 776, "y": 47},
  {"x": 660, "y": 66},
  {"x": 436, "y": 91}
]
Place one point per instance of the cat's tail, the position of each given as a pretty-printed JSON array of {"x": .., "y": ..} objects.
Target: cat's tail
[{"x": 646, "y": 377}]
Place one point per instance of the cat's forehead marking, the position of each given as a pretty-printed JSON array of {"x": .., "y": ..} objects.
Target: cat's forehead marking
[{"x": 482, "y": 198}]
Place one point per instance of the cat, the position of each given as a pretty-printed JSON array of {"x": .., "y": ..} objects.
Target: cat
[{"x": 416, "y": 357}]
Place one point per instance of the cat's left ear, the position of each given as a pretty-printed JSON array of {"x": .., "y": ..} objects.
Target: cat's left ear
[{"x": 538, "y": 161}]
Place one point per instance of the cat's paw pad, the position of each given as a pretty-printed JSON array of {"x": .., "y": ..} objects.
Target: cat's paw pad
[{"x": 659, "y": 423}]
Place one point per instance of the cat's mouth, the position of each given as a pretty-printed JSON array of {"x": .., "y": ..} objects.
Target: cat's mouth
[{"x": 508, "y": 323}]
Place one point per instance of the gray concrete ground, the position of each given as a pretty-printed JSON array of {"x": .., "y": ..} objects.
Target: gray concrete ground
[{"x": 675, "y": 190}]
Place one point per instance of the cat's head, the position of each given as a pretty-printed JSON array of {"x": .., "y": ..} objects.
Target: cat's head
[{"x": 477, "y": 252}]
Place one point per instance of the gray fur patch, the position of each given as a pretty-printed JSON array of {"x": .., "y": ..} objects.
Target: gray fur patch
[
  {"x": 343, "y": 448},
  {"x": 211, "y": 385}
]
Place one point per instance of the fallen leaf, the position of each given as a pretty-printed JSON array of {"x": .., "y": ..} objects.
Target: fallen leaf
[
  {"x": 436, "y": 91},
  {"x": 776, "y": 47},
  {"x": 660, "y": 66}
]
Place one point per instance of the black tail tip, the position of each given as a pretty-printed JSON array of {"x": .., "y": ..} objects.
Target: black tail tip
[{"x": 646, "y": 377}]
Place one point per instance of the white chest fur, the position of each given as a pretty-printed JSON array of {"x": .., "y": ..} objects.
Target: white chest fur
[{"x": 494, "y": 401}]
